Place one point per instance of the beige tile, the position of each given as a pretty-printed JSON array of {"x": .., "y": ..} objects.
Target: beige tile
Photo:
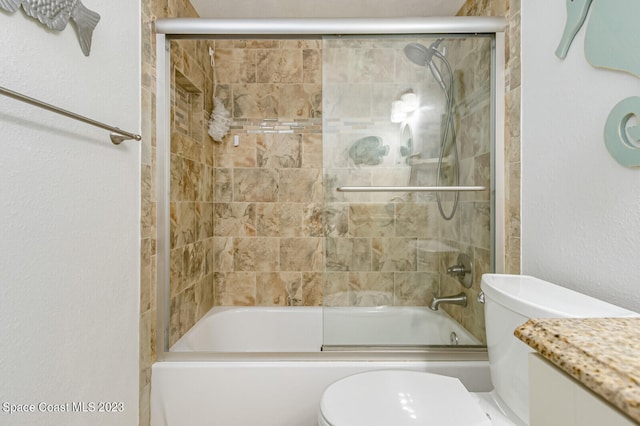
[
  {"x": 223, "y": 254},
  {"x": 336, "y": 289},
  {"x": 204, "y": 215},
  {"x": 234, "y": 219},
  {"x": 146, "y": 285},
  {"x": 258, "y": 185},
  {"x": 393, "y": 254},
  {"x": 279, "y": 151},
  {"x": 301, "y": 254},
  {"x": 235, "y": 288},
  {"x": 279, "y": 66},
  {"x": 370, "y": 65},
  {"x": 204, "y": 296},
  {"x": 279, "y": 289},
  {"x": 413, "y": 220},
  {"x": 256, "y": 254},
  {"x": 312, "y": 283},
  {"x": 206, "y": 184},
  {"x": 336, "y": 219},
  {"x": 312, "y": 65},
  {"x": 182, "y": 314},
  {"x": 372, "y": 220},
  {"x": 312, "y": 220},
  {"x": 279, "y": 219},
  {"x": 312, "y": 151},
  {"x": 300, "y": 185},
  {"x": 182, "y": 223},
  {"x": 194, "y": 258},
  {"x": 415, "y": 288},
  {"x": 239, "y": 65},
  {"x": 255, "y": 100},
  {"x": 223, "y": 191},
  {"x": 347, "y": 254},
  {"x": 303, "y": 100},
  {"x": 372, "y": 288},
  {"x": 245, "y": 154}
]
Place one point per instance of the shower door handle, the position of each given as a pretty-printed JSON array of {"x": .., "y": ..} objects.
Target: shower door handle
[{"x": 411, "y": 188}]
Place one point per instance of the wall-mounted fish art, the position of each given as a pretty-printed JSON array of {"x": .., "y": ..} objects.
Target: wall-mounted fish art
[
  {"x": 368, "y": 151},
  {"x": 55, "y": 14},
  {"x": 612, "y": 36},
  {"x": 611, "y": 42}
]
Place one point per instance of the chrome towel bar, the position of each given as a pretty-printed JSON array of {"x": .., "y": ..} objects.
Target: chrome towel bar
[
  {"x": 410, "y": 188},
  {"x": 116, "y": 135}
]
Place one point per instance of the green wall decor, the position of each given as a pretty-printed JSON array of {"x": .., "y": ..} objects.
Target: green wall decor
[
  {"x": 621, "y": 136},
  {"x": 611, "y": 42},
  {"x": 613, "y": 36},
  {"x": 576, "y": 14}
]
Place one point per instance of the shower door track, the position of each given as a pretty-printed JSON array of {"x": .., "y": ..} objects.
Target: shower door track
[
  {"x": 411, "y": 188},
  {"x": 199, "y": 28}
]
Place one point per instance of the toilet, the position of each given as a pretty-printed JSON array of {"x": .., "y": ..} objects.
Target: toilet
[{"x": 411, "y": 398}]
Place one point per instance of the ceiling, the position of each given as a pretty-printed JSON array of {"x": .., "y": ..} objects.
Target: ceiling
[{"x": 325, "y": 8}]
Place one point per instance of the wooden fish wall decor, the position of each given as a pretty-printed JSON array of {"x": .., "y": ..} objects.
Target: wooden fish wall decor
[{"x": 55, "y": 14}]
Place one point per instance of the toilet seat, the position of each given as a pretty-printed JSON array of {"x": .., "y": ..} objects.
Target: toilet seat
[{"x": 398, "y": 398}]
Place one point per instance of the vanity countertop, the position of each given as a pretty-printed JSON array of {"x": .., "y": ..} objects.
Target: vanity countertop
[{"x": 601, "y": 353}]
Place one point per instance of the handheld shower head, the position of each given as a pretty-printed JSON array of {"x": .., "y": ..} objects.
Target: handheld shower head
[
  {"x": 420, "y": 54},
  {"x": 423, "y": 56}
]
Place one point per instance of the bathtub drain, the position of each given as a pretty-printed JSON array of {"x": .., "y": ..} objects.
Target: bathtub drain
[{"x": 453, "y": 338}]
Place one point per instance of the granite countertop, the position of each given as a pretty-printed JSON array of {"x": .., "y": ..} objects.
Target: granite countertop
[{"x": 601, "y": 353}]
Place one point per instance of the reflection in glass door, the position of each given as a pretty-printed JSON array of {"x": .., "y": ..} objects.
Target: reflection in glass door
[{"x": 413, "y": 113}]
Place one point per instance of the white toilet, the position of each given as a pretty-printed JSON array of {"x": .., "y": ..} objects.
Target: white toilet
[{"x": 399, "y": 398}]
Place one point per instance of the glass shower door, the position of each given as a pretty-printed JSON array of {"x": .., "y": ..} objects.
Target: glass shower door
[{"x": 402, "y": 115}]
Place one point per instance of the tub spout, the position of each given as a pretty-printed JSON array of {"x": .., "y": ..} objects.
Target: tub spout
[{"x": 458, "y": 299}]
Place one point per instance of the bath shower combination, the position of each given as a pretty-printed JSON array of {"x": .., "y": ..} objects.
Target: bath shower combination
[
  {"x": 287, "y": 256},
  {"x": 424, "y": 56}
]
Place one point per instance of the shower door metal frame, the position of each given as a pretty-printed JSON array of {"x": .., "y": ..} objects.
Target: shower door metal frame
[{"x": 197, "y": 28}]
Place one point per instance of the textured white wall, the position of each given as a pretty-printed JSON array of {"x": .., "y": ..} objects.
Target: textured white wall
[
  {"x": 580, "y": 208},
  {"x": 69, "y": 220}
]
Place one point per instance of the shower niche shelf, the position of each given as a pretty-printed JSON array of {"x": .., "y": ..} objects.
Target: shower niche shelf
[{"x": 188, "y": 117}]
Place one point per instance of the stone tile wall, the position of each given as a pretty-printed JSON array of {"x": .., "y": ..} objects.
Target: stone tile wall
[
  {"x": 472, "y": 317},
  {"x": 151, "y": 9},
  {"x": 267, "y": 215},
  {"x": 273, "y": 206},
  {"x": 192, "y": 187},
  {"x": 470, "y": 232},
  {"x": 511, "y": 10},
  {"x": 377, "y": 245}
]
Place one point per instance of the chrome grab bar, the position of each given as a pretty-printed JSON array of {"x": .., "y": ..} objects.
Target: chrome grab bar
[
  {"x": 116, "y": 135},
  {"x": 410, "y": 188}
]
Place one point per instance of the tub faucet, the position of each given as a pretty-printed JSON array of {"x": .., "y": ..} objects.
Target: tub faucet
[{"x": 458, "y": 299}]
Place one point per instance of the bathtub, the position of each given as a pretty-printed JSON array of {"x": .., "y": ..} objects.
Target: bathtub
[
  {"x": 265, "y": 365},
  {"x": 301, "y": 329}
]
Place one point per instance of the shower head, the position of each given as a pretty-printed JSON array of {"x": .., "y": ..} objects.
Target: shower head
[{"x": 421, "y": 55}]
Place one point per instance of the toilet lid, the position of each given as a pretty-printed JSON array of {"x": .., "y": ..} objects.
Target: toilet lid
[{"x": 384, "y": 398}]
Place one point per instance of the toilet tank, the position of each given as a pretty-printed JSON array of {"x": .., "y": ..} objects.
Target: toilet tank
[{"x": 510, "y": 300}]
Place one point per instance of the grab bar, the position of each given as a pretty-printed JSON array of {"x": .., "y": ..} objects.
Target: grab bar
[
  {"x": 117, "y": 136},
  {"x": 410, "y": 188}
]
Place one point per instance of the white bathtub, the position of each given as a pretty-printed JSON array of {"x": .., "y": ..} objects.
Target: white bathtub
[
  {"x": 305, "y": 329},
  {"x": 282, "y": 385}
]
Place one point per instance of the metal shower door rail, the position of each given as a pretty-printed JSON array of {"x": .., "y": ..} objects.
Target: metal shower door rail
[
  {"x": 117, "y": 136},
  {"x": 410, "y": 188}
]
